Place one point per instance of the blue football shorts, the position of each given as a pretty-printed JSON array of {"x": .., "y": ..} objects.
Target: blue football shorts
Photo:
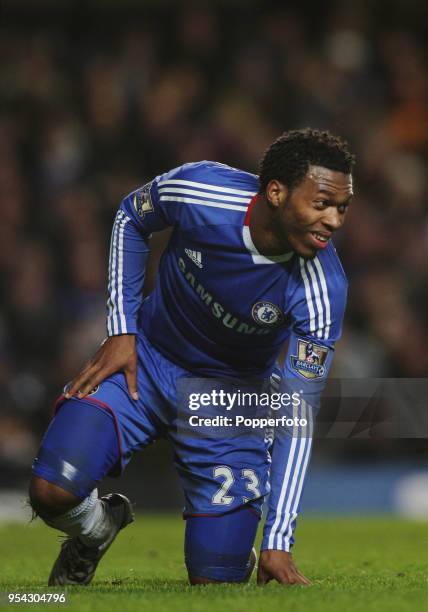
[{"x": 97, "y": 435}]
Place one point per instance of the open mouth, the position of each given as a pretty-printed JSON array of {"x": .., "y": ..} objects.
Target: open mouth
[{"x": 319, "y": 239}]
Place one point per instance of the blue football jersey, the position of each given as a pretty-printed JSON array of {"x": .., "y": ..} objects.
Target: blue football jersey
[{"x": 219, "y": 307}]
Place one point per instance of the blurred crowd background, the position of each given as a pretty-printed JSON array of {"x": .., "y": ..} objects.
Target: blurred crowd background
[{"x": 96, "y": 98}]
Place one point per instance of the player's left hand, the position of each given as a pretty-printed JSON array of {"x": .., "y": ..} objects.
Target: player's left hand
[{"x": 279, "y": 565}]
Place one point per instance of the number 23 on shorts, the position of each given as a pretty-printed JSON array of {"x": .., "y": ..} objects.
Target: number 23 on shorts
[{"x": 225, "y": 475}]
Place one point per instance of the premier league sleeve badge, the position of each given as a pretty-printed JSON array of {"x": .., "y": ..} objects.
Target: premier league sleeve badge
[
  {"x": 143, "y": 201},
  {"x": 310, "y": 359}
]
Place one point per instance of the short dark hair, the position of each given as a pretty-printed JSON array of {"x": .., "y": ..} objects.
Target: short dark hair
[{"x": 288, "y": 158}]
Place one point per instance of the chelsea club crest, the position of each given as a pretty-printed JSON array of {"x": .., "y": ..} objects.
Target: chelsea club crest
[{"x": 267, "y": 314}]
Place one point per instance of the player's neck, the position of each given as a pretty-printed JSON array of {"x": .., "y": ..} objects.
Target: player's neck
[{"x": 262, "y": 230}]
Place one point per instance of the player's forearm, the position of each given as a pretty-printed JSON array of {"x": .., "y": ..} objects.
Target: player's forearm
[
  {"x": 127, "y": 261},
  {"x": 290, "y": 460}
]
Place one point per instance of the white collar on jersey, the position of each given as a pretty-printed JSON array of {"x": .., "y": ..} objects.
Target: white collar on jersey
[{"x": 258, "y": 258}]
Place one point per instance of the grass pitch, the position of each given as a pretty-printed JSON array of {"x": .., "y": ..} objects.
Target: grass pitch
[{"x": 377, "y": 564}]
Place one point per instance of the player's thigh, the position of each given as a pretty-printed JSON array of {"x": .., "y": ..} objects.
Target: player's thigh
[
  {"x": 92, "y": 437},
  {"x": 79, "y": 447}
]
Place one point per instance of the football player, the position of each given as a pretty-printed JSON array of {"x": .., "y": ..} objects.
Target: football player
[{"x": 250, "y": 265}]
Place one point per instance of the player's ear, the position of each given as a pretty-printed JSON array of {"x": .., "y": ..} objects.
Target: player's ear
[{"x": 276, "y": 193}]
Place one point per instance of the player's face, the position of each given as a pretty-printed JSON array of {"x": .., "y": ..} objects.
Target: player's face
[{"x": 314, "y": 210}]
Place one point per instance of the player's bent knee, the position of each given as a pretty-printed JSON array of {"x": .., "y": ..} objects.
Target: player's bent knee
[
  {"x": 196, "y": 580},
  {"x": 219, "y": 549},
  {"x": 79, "y": 448},
  {"x": 232, "y": 578},
  {"x": 48, "y": 499}
]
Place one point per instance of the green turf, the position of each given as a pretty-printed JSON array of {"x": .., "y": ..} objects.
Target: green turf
[{"x": 356, "y": 564}]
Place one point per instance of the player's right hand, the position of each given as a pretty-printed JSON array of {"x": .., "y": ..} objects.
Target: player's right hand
[
  {"x": 116, "y": 354},
  {"x": 279, "y": 565}
]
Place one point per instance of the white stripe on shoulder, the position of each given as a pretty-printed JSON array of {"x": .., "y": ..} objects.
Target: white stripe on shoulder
[
  {"x": 164, "y": 198},
  {"x": 308, "y": 294},
  {"x": 207, "y": 186},
  {"x": 204, "y": 194},
  {"x": 325, "y": 297},
  {"x": 317, "y": 296}
]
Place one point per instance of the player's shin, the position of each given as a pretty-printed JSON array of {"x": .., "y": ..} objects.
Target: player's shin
[{"x": 89, "y": 520}]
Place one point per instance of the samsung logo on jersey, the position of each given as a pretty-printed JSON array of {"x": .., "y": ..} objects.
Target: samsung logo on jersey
[{"x": 217, "y": 310}]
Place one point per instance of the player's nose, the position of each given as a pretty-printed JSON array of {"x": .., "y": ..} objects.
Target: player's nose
[{"x": 332, "y": 219}]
